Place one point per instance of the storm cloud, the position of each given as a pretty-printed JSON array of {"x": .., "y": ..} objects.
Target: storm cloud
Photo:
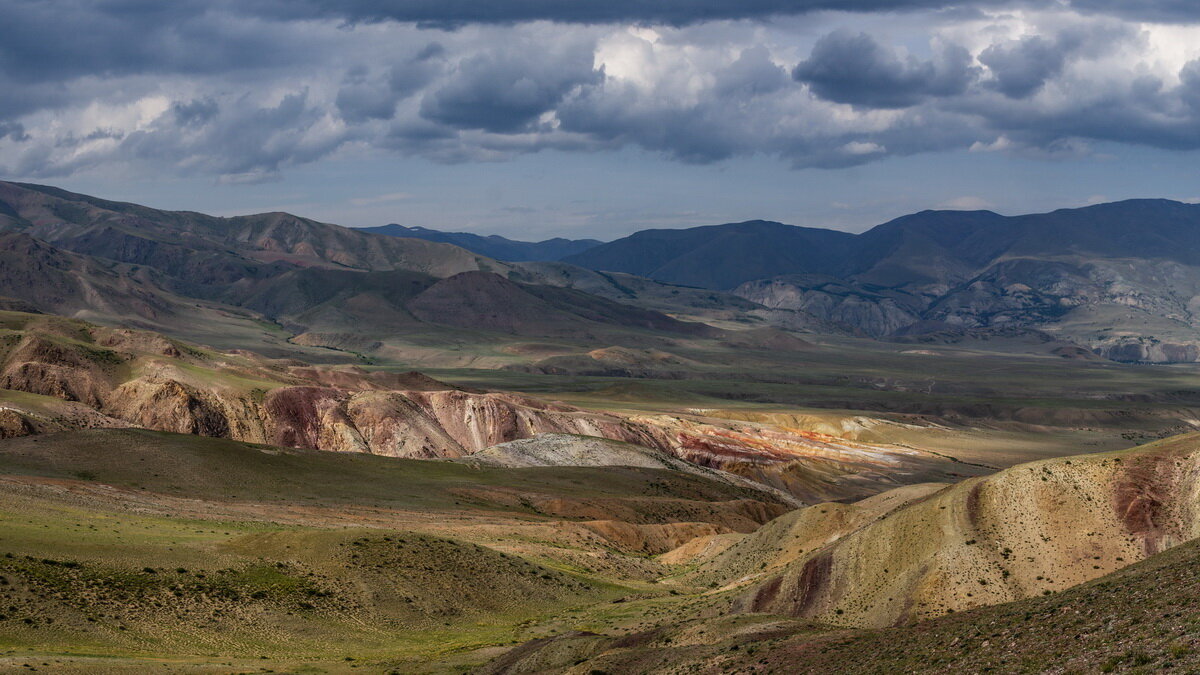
[
  {"x": 243, "y": 91},
  {"x": 854, "y": 68},
  {"x": 452, "y": 13},
  {"x": 507, "y": 89}
]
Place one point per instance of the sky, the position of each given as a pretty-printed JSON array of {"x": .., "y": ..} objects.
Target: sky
[{"x": 597, "y": 118}]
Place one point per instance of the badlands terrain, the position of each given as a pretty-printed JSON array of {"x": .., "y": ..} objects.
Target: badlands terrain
[{"x": 269, "y": 444}]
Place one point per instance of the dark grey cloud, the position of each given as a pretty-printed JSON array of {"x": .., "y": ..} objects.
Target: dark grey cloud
[
  {"x": 752, "y": 74},
  {"x": 1136, "y": 111},
  {"x": 450, "y": 13},
  {"x": 243, "y": 90},
  {"x": 22, "y": 98},
  {"x": 62, "y": 39},
  {"x": 411, "y": 75},
  {"x": 507, "y": 89},
  {"x": 196, "y": 112},
  {"x": 1170, "y": 11},
  {"x": 1189, "y": 77},
  {"x": 453, "y": 13},
  {"x": 366, "y": 96},
  {"x": 695, "y": 134},
  {"x": 725, "y": 120},
  {"x": 13, "y": 130},
  {"x": 93, "y": 26},
  {"x": 1022, "y": 67},
  {"x": 241, "y": 141},
  {"x": 852, "y": 68}
]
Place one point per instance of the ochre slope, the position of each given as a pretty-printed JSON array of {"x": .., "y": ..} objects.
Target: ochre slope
[
  {"x": 1033, "y": 529},
  {"x": 791, "y": 537},
  {"x": 1137, "y": 620}
]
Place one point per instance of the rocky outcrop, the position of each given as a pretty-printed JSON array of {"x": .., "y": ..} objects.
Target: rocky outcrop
[
  {"x": 72, "y": 372},
  {"x": 125, "y": 340},
  {"x": 393, "y": 424},
  {"x": 810, "y": 465},
  {"x": 13, "y": 424},
  {"x": 311, "y": 417},
  {"x": 1138, "y": 349},
  {"x": 874, "y": 312},
  {"x": 26, "y": 415},
  {"x": 568, "y": 450},
  {"x": 169, "y": 405},
  {"x": 426, "y": 424}
]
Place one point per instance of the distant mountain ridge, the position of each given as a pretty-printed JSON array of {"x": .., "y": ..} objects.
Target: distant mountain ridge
[
  {"x": 493, "y": 246},
  {"x": 1122, "y": 278},
  {"x": 724, "y": 256},
  {"x": 720, "y": 256}
]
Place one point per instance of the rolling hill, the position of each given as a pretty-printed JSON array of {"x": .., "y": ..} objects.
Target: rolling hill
[
  {"x": 1123, "y": 622},
  {"x": 1119, "y": 280},
  {"x": 129, "y": 550},
  {"x": 1027, "y": 570},
  {"x": 208, "y": 250},
  {"x": 721, "y": 256}
]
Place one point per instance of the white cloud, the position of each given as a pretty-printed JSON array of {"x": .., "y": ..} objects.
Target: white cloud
[{"x": 863, "y": 148}]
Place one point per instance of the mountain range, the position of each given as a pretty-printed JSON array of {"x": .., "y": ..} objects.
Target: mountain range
[
  {"x": 1119, "y": 280},
  {"x": 1122, "y": 279},
  {"x": 325, "y": 285}
]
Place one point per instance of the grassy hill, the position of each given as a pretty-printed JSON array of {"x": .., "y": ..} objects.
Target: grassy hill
[{"x": 130, "y": 547}]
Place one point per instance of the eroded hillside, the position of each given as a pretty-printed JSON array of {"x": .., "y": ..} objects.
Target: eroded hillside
[
  {"x": 1084, "y": 563},
  {"x": 63, "y": 374},
  {"x": 924, "y": 551}
]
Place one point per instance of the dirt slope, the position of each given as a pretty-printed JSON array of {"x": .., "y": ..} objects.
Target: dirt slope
[
  {"x": 1032, "y": 529},
  {"x": 1018, "y": 560},
  {"x": 1140, "y": 619}
]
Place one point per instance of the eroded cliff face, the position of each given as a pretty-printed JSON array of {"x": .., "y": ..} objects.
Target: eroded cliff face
[
  {"x": 874, "y": 313},
  {"x": 451, "y": 424},
  {"x": 1137, "y": 349},
  {"x": 422, "y": 424}
]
